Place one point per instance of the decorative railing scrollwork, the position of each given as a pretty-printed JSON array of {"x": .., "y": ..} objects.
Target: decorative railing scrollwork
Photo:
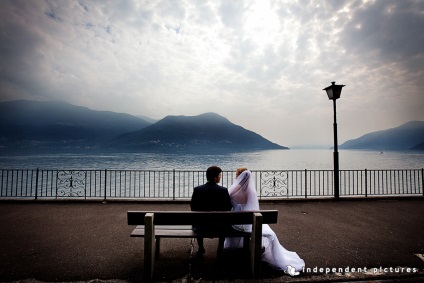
[
  {"x": 71, "y": 183},
  {"x": 274, "y": 183}
]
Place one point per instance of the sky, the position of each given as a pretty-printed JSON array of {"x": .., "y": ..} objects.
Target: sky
[{"x": 261, "y": 64}]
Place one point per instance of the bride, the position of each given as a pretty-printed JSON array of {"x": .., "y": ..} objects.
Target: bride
[{"x": 243, "y": 197}]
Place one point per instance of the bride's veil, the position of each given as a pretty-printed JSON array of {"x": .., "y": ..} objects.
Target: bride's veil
[{"x": 243, "y": 191}]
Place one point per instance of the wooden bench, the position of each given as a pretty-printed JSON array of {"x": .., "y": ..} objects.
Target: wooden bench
[{"x": 154, "y": 225}]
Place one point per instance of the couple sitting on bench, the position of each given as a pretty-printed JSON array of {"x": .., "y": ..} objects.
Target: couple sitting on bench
[{"x": 241, "y": 196}]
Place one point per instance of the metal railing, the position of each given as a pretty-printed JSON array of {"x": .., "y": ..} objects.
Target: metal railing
[{"x": 178, "y": 185}]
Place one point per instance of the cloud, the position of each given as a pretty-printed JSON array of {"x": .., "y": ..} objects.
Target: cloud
[
  {"x": 387, "y": 31},
  {"x": 262, "y": 64}
]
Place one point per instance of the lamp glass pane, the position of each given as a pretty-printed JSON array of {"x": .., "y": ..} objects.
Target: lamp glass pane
[
  {"x": 330, "y": 93},
  {"x": 337, "y": 90}
]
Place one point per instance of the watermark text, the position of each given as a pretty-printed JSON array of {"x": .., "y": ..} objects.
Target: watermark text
[{"x": 348, "y": 269}]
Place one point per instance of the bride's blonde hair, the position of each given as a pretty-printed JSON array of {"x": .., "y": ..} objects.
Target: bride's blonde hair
[{"x": 240, "y": 170}]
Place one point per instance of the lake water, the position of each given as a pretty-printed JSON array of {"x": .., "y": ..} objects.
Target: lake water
[{"x": 294, "y": 159}]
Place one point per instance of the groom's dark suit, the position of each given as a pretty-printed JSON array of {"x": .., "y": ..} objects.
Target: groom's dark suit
[{"x": 211, "y": 197}]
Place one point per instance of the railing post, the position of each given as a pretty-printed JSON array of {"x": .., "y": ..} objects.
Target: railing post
[
  {"x": 1, "y": 184},
  {"x": 306, "y": 183},
  {"x": 85, "y": 185},
  {"x": 260, "y": 185},
  {"x": 36, "y": 184},
  {"x": 422, "y": 180},
  {"x": 105, "y": 185},
  {"x": 173, "y": 184},
  {"x": 366, "y": 183}
]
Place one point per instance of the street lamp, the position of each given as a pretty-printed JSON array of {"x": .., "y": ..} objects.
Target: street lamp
[{"x": 333, "y": 92}]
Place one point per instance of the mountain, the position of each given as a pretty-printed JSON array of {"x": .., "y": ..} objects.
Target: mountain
[
  {"x": 25, "y": 123},
  {"x": 419, "y": 146},
  {"x": 47, "y": 125},
  {"x": 204, "y": 132},
  {"x": 403, "y": 137}
]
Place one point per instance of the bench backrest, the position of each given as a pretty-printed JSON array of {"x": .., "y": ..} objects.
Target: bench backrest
[{"x": 201, "y": 217}]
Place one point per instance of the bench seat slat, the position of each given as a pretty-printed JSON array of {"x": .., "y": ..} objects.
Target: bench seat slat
[
  {"x": 201, "y": 217},
  {"x": 187, "y": 233},
  {"x": 166, "y": 233},
  {"x": 168, "y": 227}
]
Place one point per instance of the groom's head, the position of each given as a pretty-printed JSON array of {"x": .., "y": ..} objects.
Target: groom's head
[{"x": 213, "y": 174}]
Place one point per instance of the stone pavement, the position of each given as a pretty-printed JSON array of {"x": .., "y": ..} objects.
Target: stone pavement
[{"x": 345, "y": 240}]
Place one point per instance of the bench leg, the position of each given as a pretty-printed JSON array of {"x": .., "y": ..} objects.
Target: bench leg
[
  {"x": 256, "y": 244},
  {"x": 157, "y": 247},
  {"x": 246, "y": 241},
  {"x": 149, "y": 246}
]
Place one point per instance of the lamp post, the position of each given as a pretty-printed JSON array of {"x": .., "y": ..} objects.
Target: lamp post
[{"x": 333, "y": 92}]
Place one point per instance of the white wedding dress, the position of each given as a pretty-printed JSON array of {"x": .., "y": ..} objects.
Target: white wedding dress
[{"x": 243, "y": 197}]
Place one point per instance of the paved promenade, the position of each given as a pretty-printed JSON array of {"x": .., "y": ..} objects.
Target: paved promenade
[{"x": 365, "y": 239}]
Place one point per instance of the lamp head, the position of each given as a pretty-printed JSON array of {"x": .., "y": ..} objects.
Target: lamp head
[{"x": 334, "y": 91}]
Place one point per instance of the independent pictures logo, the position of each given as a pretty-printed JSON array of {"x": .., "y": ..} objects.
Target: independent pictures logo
[{"x": 373, "y": 270}]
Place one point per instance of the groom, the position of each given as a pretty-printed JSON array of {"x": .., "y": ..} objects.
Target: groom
[{"x": 210, "y": 197}]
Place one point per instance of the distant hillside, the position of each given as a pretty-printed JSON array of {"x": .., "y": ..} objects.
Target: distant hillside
[
  {"x": 419, "y": 146},
  {"x": 58, "y": 125},
  {"x": 25, "y": 123},
  {"x": 403, "y": 137},
  {"x": 205, "y": 132}
]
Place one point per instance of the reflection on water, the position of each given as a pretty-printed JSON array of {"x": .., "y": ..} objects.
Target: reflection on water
[{"x": 257, "y": 160}]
